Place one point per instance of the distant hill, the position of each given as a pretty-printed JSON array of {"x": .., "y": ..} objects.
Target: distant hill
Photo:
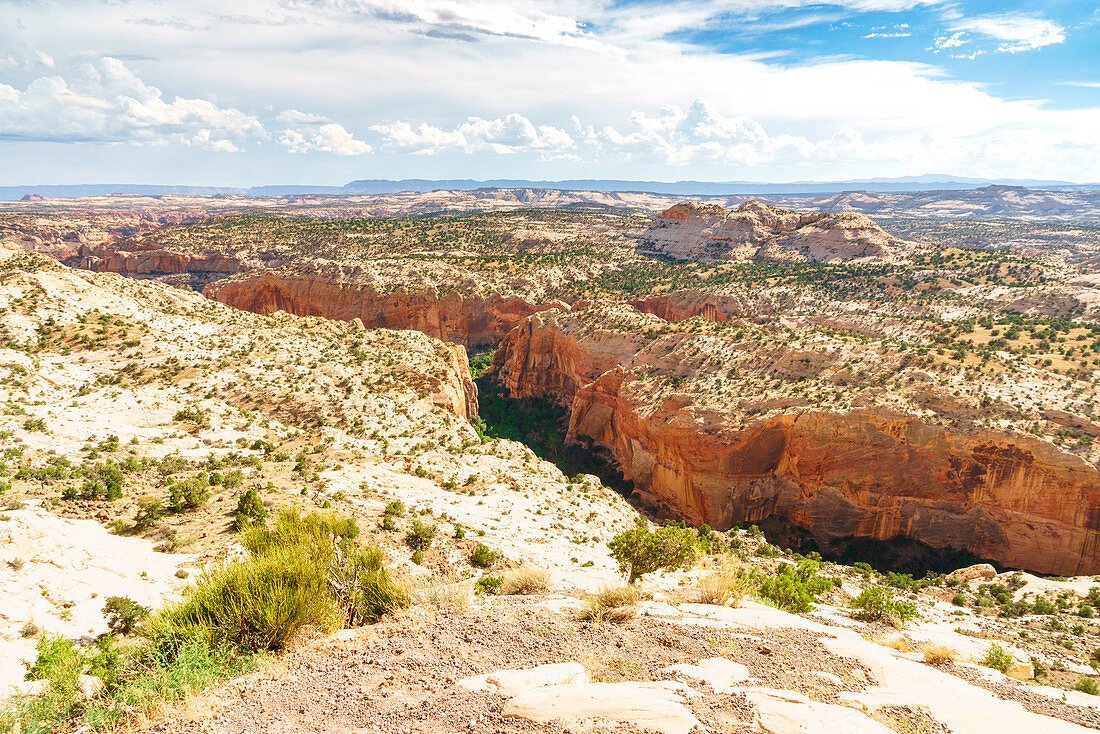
[{"x": 679, "y": 188}]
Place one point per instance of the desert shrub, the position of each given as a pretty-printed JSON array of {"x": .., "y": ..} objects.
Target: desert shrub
[
  {"x": 641, "y": 550},
  {"x": 314, "y": 533},
  {"x": 939, "y": 654},
  {"x": 189, "y": 494},
  {"x": 489, "y": 585},
  {"x": 420, "y": 536},
  {"x": 34, "y": 424},
  {"x": 482, "y": 557},
  {"x": 123, "y": 614},
  {"x": 104, "y": 481},
  {"x": 726, "y": 587},
  {"x": 794, "y": 588},
  {"x": 998, "y": 658},
  {"x": 190, "y": 414},
  {"x": 525, "y": 580},
  {"x": 250, "y": 509},
  {"x": 148, "y": 511},
  {"x": 362, "y": 586},
  {"x": 611, "y": 604},
  {"x": 259, "y": 603},
  {"x": 1043, "y": 605},
  {"x": 877, "y": 604},
  {"x": 256, "y": 604},
  {"x": 1087, "y": 685}
]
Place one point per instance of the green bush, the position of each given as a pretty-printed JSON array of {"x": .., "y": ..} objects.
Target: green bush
[
  {"x": 123, "y": 614},
  {"x": 250, "y": 509},
  {"x": 104, "y": 481},
  {"x": 420, "y": 537},
  {"x": 361, "y": 585},
  {"x": 148, "y": 511},
  {"x": 877, "y": 604},
  {"x": 795, "y": 588},
  {"x": 189, "y": 494},
  {"x": 998, "y": 658},
  {"x": 302, "y": 571},
  {"x": 641, "y": 550},
  {"x": 489, "y": 585},
  {"x": 1087, "y": 685},
  {"x": 482, "y": 557},
  {"x": 256, "y": 604}
]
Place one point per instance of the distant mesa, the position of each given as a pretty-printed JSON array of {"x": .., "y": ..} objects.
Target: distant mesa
[{"x": 756, "y": 231}]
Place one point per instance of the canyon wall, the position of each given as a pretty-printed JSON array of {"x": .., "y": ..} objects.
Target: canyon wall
[
  {"x": 156, "y": 261},
  {"x": 872, "y": 473},
  {"x": 472, "y": 319}
]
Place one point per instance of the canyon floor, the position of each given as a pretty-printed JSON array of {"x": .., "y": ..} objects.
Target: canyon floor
[{"x": 862, "y": 384}]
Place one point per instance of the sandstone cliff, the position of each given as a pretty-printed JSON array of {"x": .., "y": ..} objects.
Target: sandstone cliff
[
  {"x": 755, "y": 231},
  {"x": 151, "y": 260},
  {"x": 876, "y": 470},
  {"x": 466, "y": 314}
]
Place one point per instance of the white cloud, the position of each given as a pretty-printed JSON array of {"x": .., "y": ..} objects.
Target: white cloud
[
  {"x": 294, "y": 116},
  {"x": 105, "y": 102},
  {"x": 511, "y": 134},
  {"x": 330, "y": 138},
  {"x": 1016, "y": 32}
]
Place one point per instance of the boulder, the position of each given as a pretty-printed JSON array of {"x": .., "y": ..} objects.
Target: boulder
[
  {"x": 788, "y": 712},
  {"x": 652, "y": 706},
  {"x": 970, "y": 573},
  {"x": 515, "y": 682}
]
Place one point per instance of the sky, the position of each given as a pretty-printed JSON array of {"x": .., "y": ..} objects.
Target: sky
[{"x": 253, "y": 92}]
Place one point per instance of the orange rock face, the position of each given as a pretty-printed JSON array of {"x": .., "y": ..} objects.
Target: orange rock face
[
  {"x": 871, "y": 473},
  {"x": 152, "y": 261},
  {"x": 469, "y": 319}
]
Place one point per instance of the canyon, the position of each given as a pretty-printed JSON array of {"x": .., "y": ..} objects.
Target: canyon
[
  {"x": 898, "y": 450},
  {"x": 873, "y": 471}
]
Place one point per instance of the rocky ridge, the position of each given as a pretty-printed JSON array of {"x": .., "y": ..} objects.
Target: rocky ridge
[{"x": 756, "y": 231}]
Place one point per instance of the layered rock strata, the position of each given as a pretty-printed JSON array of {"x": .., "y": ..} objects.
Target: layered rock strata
[{"x": 878, "y": 471}]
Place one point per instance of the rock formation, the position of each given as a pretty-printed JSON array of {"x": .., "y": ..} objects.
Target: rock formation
[
  {"x": 875, "y": 471},
  {"x": 470, "y": 316},
  {"x": 755, "y": 231},
  {"x": 151, "y": 260}
]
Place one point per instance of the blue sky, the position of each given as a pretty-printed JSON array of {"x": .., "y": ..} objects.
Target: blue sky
[{"x": 324, "y": 91}]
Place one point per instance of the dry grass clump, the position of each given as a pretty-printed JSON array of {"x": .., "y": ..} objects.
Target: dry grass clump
[
  {"x": 725, "y": 587},
  {"x": 443, "y": 592},
  {"x": 525, "y": 580},
  {"x": 612, "y": 604},
  {"x": 939, "y": 654},
  {"x": 901, "y": 643}
]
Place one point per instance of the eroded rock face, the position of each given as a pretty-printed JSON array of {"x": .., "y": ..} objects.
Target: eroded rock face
[
  {"x": 755, "y": 231},
  {"x": 467, "y": 316},
  {"x": 156, "y": 261},
  {"x": 871, "y": 472}
]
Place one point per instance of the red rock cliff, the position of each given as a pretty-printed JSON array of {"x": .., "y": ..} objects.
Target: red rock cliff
[
  {"x": 874, "y": 473},
  {"x": 464, "y": 317}
]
